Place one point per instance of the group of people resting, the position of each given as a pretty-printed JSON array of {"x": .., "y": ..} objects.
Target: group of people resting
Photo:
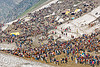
[{"x": 78, "y": 50}]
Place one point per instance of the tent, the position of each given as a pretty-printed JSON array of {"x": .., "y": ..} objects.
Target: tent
[
  {"x": 16, "y": 33},
  {"x": 77, "y": 10},
  {"x": 67, "y": 12},
  {"x": 72, "y": 13},
  {"x": 57, "y": 18},
  {"x": 73, "y": 18},
  {"x": 61, "y": 20},
  {"x": 13, "y": 35},
  {"x": 27, "y": 18},
  {"x": 19, "y": 21}
]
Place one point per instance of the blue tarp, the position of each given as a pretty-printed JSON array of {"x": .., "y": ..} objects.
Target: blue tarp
[
  {"x": 13, "y": 35},
  {"x": 73, "y": 18},
  {"x": 19, "y": 22}
]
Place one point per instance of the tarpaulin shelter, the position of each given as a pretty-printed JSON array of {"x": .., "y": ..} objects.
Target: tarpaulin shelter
[
  {"x": 16, "y": 33},
  {"x": 13, "y": 35},
  {"x": 67, "y": 12},
  {"x": 73, "y": 18},
  {"x": 19, "y": 21},
  {"x": 57, "y": 18},
  {"x": 72, "y": 13},
  {"x": 77, "y": 10},
  {"x": 61, "y": 20}
]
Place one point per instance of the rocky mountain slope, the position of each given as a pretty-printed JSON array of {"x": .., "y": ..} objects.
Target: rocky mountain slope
[{"x": 10, "y": 9}]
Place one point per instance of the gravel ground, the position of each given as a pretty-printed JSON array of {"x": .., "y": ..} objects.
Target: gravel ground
[{"x": 7, "y": 60}]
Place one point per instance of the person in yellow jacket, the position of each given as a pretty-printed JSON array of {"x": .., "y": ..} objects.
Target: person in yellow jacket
[{"x": 75, "y": 60}]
